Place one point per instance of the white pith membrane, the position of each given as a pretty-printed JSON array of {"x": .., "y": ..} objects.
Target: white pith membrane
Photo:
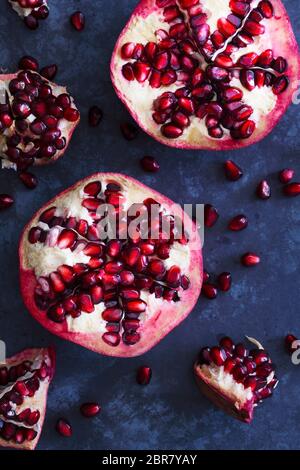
[
  {"x": 24, "y": 383},
  {"x": 40, "y": 10},
  {"x": 229, "y": 373},
  {"x": 27, "y": 100},
  {"x": 237, "y": 121},
  {"x": 63, "y": 239}
]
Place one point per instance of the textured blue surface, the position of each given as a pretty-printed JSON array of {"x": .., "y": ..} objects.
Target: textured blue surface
[{"x": 264, "y": 302}]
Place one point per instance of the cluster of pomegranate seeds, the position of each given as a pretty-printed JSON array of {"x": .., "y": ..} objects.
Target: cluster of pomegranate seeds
[
  {"x": 64, "y": 428},
  {"x": 232, "y": 171},
  {"x": 144, "y": 375},
  {"x": 128, "y": 130},
  {"x": 78, "y": 20},
  {"x": 210, "y": 287},
  {"x": 38, "y": 11},
  {"x": 95, "y": 116},
  {"x": 150, "y": 164},
  {"x": 5, "y": 201},
  {"x": 252, "y": 368},
  {"x": 289, "y": 342},
  {"x": 200, "y": 64},
  {"x": 20, "y": 408},
  {"x": 118, "y": 270},
  {"x": 89, "y": 410}
]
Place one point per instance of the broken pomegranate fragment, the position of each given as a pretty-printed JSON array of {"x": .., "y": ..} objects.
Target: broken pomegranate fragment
[
  {"x": 32, "y": 11},
  {"x": 36, "y": 121},
  {"x": 235, "y": 378},
  {"x": 209, "y": 75},
  {"x": 24, "y": 383},
  {"x": 117, "y": 291}
]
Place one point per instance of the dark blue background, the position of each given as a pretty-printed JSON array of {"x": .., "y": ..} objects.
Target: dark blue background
[{"x": 264, "y": 302}]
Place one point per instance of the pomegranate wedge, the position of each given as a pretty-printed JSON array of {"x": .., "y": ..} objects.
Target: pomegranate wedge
[
  {"x": 24, "y": 383},
  {"x": 207, "y": 74},
  {"x": 235, "y": 378},
  {"x": 117, "y": 292},
  {"x": 37, "y": 120}
]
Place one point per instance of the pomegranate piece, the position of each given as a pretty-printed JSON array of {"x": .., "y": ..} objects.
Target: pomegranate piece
[
  {"x": 31, "y": 11},
  {"x": 149, "y": 164},
  {"x": 5, "y": 201},
  {"x": 89, "y": 410},
  {"x": 77, "y": 20},
  {"x": 197, "y": 70},
  {"x": 24, "y": 383},
  {"x": 35, "y": 123},
  {"x": 232, "y": 171},
  {"x": 263, "y": 190},
  {"x": 250, "y": 259},
  {"x": 233, "y": 379},
  {"x": 64, "y": 428},
  {"x": 116, "y": 293},
  {"x": 286, "y": 175},
  {"x": 144, "y": 375}
]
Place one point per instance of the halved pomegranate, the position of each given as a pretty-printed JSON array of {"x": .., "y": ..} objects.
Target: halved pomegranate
[
  {"x": 207, "y": 74},
  {"x": 37, "y": 120},
  {"x": 31, "y": 11},
  {"x": 234, "y": 378},
  {"x": 111, "y": 292},
  {"x": 24, "y": 383}
]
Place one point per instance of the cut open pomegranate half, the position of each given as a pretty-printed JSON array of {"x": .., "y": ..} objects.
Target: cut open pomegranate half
[
  {"x": 24, "y": 383},
  {"x": 235, "y": 378},
  {"x": 37, "y": 120},
  {"x": 207, "y": 74},
  {"x": 32, "y": 11},
  {"x": 115, "y": 292}
]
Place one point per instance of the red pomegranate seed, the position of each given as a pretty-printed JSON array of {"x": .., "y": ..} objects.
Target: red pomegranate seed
[
  {"x": 292, "y": 189},
  {"x": 144, "y": 375},
  {"x": 71, "y": 114},
  {"x": 129, "y": 131},
  {"x": 78, "y": 20},
  {"x": 89, "y": 410},
  {"x": 238, "y": 223},
  {"x": 286, "y": 175},
  {"x": 64, "y": 428},
  {"x": 28, "y": 63},
  {"x": 150, "y": 164},
  {"x": 28, "y": 179},
  {"x": 263, "y": 190},
  {"x": 250, "y": 259},
  {"x": 31, "y": 22},
  {"x": 226, "y": 343},
  {"x": 95, "y": 116},
  {"x": 232, "y": 171},
  {"x": 288, "y": 341},
  {"x": 210, "y": 215},
  {"x": 112, "y": 339},
  {"x": 209, "y": 291},
  {"x": 5, "y": 201},
  {"x": 49, "y": 71},
  {"x": 206, "y": 276},
  {"x": 224, "y": 281},
  {"x": 217, "y": 355}
]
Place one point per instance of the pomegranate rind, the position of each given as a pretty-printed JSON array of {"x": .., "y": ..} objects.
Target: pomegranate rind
[
  {"x": 241, "y": 411},
  {"x": 67, "y": 131},
  {"x": 159, "y": 325},
  {"x": 134, "y": 31},
  {"x": 30, "y": 355}
]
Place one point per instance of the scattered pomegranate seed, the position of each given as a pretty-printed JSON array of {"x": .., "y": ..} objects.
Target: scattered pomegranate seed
[
  {"x": 209, "y": 291},
  {"x": 64, "y": 428},
  {"x": 144, "y": 375},
  {"x": 206, "y": 276},
  {"x": 292, "y": 189},
  {"x": 224, "y": 281},
  {"x": 263, "y": 190},
  {"x": 129, "y": 131},
  {"x": 5, "y": 201},
  {"x": 288, "y": 341},
  {"x": 232, "y": 171},
  {"x": 95, "y": 116},
  {"x": 150, "y": 164},
  {"x": 210, "y": 215},
  {"x": 78, "y": 20},
  {"x": 31, "y": 22},
  {"x": 89, "y": 410},
  {"x": 238, "y": 223},
  {"x": 250, "y": 259},
  {"x": 49, "y": 71},
  {"x": 286, "y": 175},
  {"x": 28, "y": 179},
  {"x": 28, "y": 63}
]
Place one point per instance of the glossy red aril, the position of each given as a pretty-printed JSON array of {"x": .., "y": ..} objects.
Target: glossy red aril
[
  {"x": 28, "y": 179},
  {"x": 29, "y": 63},
  {"x": 149, "y": 164},
  {"x": 24, "y": 383},
  {"x": 35, "y": 125},
  {"x": 64, "y": 428},
  {"x": 286, "y": 175},
  {"x": 224, "y": 281},
  {"x": 78, "y": 20},
  {"x": 263, "y": 190},
  {"x": 49, "y": 71},
  {"x": 209, "y": 291},
  {"x": 232, "y": 171},
  {"x": 89, "y": 410},
  {"x": 292, "y": 189},
  {"x": 115, "y": 292},
  {"x": 250, "y": 259},
  {"x": 233, "y": 379},
  {"x": 238, "y": 223},
  {"x": 31, "y": 11},
  {"x": 144, "y": 375},
  {"x": 211, "y": 215},
  {"x": 5, "y": 201},
  {"x": 207, "y": 79}
]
